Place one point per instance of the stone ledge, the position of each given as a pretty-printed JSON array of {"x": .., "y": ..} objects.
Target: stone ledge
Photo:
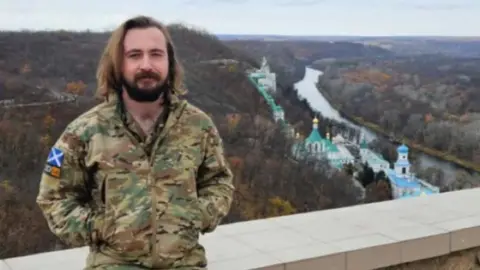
[{"x": 354, "y": 238}]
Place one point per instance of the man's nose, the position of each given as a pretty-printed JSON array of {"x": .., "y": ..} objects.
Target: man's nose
[{"x": 146, "y": 63}]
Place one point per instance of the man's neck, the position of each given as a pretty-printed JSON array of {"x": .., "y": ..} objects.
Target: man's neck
[{"x": 145, "y": 114}]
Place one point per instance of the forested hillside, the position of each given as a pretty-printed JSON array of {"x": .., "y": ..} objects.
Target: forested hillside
[
  {"x": 290, "y": 57},
  {"x": 434, "y": 101}
]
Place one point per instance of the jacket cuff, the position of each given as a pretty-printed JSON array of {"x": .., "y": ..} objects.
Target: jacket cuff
[{"x": 207, "y": 209}]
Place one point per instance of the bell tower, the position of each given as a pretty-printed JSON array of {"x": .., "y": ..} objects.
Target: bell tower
[{"x": 402, "y": 166}]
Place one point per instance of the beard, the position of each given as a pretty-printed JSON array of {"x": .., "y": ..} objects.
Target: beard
[{"x": 147, "y": 93}]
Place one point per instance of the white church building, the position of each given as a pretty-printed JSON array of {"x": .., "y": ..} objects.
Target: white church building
[{"x": 266, "y": 78}]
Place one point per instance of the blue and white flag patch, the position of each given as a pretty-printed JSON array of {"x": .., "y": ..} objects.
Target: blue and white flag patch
[{"x": 55, "y": 157}]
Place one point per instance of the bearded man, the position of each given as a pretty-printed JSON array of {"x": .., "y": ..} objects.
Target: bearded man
[{"x": 138, "y": 177}]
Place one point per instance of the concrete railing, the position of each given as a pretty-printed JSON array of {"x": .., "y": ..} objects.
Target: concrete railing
[{"x": 355, "y": 238}]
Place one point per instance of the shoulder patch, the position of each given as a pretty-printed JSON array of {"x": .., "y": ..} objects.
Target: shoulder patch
[
  {"x": 55, "y": 157},
  {"x": 52, "y": 171}
]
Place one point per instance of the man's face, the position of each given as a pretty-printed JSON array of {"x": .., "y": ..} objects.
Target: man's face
[{"x": 145, "y": 64}]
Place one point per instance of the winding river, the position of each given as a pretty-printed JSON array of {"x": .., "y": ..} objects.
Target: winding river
[{"x": 307, "y": 89}]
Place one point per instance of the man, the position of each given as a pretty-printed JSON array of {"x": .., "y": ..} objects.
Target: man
[{"x": 138, "y": 177}]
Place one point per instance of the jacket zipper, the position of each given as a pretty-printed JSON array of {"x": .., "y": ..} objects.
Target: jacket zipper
[
  {"x": 171, "y": 119},
  {"x": 154, "y": 218},
  {"x": 152, "y": 184}
]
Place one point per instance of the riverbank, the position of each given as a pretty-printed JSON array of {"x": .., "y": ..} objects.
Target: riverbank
[{"x": 380, "y": 131}]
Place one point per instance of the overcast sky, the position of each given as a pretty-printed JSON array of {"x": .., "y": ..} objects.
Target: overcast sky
[{"x": 286, "y": 17}]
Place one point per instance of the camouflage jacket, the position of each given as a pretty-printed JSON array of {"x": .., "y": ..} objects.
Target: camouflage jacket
[{"x": 137, "y": 202}]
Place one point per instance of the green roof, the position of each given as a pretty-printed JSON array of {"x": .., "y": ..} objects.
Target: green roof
[
  {"x": 363, "y": 144},
  {"x": 331, "y": 147},
  {"x": 314, "y": 136},
  {"x": 253, "y": 77},
  {"x": 257, "y": 75}
]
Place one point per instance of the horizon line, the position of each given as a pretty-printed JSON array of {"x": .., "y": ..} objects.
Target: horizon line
[
  {"x": 254, "y": 35},
  {"x": 349, "y": 35}
]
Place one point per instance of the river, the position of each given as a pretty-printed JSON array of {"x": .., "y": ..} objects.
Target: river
[{"x": 307, "y": 89}]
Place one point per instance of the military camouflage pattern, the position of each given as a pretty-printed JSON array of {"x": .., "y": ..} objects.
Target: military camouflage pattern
[{"x": 135, "y": 210}]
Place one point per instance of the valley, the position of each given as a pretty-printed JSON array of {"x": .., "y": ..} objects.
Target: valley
[
  {"x": 56, "y": 72},
  {"x": 445, "y": 80},
  {"x": 431, "y": 102}
]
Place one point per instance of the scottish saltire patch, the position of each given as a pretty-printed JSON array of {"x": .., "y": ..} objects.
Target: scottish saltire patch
[{"x": 55, "y": 157}]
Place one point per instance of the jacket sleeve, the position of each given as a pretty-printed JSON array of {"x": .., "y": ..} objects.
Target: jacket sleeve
[
  {"x": 214, "y": 182},
  {"x": 63, "y": 194}
]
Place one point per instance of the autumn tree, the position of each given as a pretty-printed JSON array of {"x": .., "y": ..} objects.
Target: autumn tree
[
  {"x": 26, "y": 69},
  {"x": 46, "y": 138},
  {"x": 76, "y": 88},
  {"x": 279, "y": 207},
  {"x": 378, "y": 191},
  {"x": 232, "y": 120}
]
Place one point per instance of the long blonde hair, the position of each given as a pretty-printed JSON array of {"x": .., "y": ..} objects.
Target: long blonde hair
[{"x": 109, "y": 71}]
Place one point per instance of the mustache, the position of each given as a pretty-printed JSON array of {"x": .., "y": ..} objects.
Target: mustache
[{"x": 147, "y": 75}]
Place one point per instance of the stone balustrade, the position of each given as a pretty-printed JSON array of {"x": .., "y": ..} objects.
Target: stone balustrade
[{"x": 360, "y": 237}]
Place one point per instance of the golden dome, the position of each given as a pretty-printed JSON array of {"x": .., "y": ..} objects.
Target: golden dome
[{"x": 315, "y": 120}]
